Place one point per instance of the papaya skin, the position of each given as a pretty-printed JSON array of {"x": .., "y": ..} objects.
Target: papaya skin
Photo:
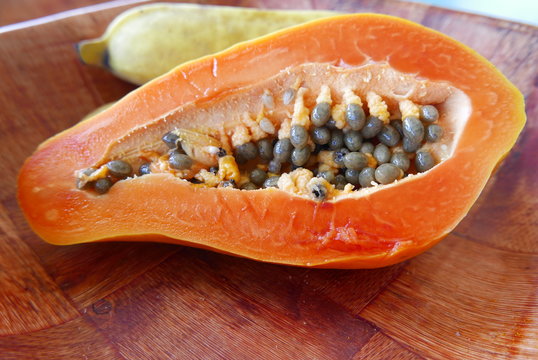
[{"x": 387, "y": 226}]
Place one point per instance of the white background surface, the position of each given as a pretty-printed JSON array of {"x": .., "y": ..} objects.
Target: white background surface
[{"x": 525, "y": 11}]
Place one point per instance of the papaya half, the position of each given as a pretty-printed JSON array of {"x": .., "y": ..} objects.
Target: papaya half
[{"x": 355, "y": 141}]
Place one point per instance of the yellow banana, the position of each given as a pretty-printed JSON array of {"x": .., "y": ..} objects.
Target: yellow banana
[{"x": 147, "y": 41}]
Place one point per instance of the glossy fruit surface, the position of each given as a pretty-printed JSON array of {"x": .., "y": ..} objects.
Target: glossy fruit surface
[{"x": 366, "y": 229}]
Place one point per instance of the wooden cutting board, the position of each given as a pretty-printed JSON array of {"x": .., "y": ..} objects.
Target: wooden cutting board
[{"x": 473, "y": 296}]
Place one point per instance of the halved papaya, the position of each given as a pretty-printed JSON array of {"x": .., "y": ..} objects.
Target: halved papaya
[{"x": 184, "y": 159}]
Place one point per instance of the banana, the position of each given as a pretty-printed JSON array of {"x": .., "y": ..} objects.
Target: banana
[{"x": 147, "y": 41}]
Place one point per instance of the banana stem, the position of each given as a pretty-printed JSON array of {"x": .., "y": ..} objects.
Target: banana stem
[{"x": 93, "y": 52}]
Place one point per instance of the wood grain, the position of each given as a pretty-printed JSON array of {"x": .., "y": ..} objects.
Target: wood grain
[
  {"x": 76, "y": 339},
  {"x": 14, "y": 11},
  {"x": 31, "y": 300},
  {"x": 474, "y": 296},
  {"x": 382, "y": 347},
  {"x": 482, "y": 300},
  {"x": 262, "y": 310}
]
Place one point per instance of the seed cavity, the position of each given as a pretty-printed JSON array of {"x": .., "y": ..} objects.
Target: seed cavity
[{"x": 320, "y": 153}]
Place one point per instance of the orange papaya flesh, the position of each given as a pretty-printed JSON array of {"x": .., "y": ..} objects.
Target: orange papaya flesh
[{"x": 364, "y": 229}]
